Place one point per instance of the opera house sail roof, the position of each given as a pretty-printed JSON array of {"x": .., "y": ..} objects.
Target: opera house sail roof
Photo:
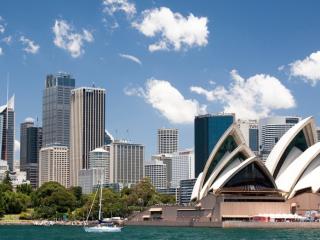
[{"x": 293, "y": 165}]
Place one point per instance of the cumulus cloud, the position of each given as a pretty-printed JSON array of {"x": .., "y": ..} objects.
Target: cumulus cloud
[
  {"x": 112, "y": 6},
  {"x": 30, "y": 46},
  {"x": 174, "y": 30},
  {"x": 68, "y": 39},
  {"x": 2, "y": 25},
  {"x": 250, "y": 98},
  {"x": 308, "y": 68},
  {"x": 7, "y": 40},
  {"x": 131, "y": 58},
  {"x": 168, "y": 101},
  {"x": 1, "y": 51}
]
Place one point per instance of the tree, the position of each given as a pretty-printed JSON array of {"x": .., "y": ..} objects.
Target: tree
[
  {"x": 25, "y": 189},
  {"x": 15, "y": 203}
]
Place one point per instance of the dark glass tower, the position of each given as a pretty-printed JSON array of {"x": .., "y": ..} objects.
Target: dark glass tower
[
  {"x": 24, "y": 142},
  {"x": 56, "y": 109},
  {"x": 208, "y": 129},
  {"x": 7, "y": 118}
]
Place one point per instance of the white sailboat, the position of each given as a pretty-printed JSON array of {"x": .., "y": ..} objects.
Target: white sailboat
[{"x": 100, "y": 227}]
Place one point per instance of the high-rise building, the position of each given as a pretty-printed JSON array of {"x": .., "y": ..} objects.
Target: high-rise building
[
  {"x": 157, "y": 173},
  {"x": 7, "y": 118},
  {"x": 167, "y": 160},
  {"x": 318, "y": 134},
  {"x": 54, "y": 165},
  {"x": 182, "y": 167},
  {"x": 87, "y": 127},
  {"x": 207, "y": 131},
  {"x": 185, "y": 190},
  {"x": 56, "y": 109},
  {"x": 29, "y": 122},
  {"x": 271, "y": 130},
  {"x": 100, "y": 158},
  {"x": 126, "y": 162},
  {"x": 167, "y": 140},
  {"x": 108, "y": 138},
  {"x": 250, "y": 132},
  {"x": 34, "y": 144},
  {"x": 89, "y": 178}
]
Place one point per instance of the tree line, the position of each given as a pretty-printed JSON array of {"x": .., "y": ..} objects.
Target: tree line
[{"x": 53, "y": 201}]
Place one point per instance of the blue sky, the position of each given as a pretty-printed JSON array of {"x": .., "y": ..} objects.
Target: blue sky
[{"x": 162, "y": 62}]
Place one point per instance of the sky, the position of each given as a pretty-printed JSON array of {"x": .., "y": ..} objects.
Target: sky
[{"x": 164, "y": 62}]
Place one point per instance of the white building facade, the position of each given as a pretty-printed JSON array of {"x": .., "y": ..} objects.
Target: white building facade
[
  {"x": 167, "y": 140},
  {"x": 157, "y": 173}
]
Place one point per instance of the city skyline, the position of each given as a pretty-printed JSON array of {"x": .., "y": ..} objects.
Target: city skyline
[{"x": 251, "y": 53}]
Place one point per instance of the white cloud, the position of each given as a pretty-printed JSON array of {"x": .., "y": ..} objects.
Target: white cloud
[
  {"x": 250, "y": 98},
  {"x": 166, "y": 99},
  {"x": 308, "y": 68},
  {"x": 174, "y": 30},
  {"x": 16, "y": 149},
  {"x": 131, "y": 58},
  {"x": 2, "y": 25},
  {"x": 30, "y": 46},
  {"x": 112, "y": 6},
  {"x": 69, "y": 40},
  {"x": 1, "y": 51}
]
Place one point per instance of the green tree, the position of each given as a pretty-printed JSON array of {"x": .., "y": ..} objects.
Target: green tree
[
  {"x": 15, "y": 202},
  {"x": 25, "y": 189}
]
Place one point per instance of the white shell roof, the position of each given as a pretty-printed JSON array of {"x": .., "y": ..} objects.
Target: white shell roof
[
  {"x": 277, "y": 151},
  {"x": 196, "y": 187},
  {"x": 291, "y": 174}
]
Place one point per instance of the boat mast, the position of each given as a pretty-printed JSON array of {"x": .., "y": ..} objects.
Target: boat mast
[{"x": 100, "y": 201}]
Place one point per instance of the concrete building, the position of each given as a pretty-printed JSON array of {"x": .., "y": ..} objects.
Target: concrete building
[
  {"x": 100, "y": 158},
  {"x": 54, "y": 165},
  {"x": 182, "y": 167},
  {"x": 167, "y": 160},
  {"x": 157, "y": 172},
  {"x": 56, "y": 109},
  {"x": 271, "y": 129},
  {"x": 250, "y": 132},
  {"x": 127, "y": 161},
  {"x": 89, "y": 178},
  {"x": 87, "y": 127},
  {"x": 7, "y": 132},
  {"x": 18, "y": 177},
  {"x": 207, "y": 131},
  {"x": 108, "y": 138},
  {"x": 3, "y": 169},
  {"x": 185, "y": 190},
  {"x": 167, "y": 140}
]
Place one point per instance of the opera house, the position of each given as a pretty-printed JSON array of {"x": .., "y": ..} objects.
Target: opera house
[{"x": 236, "y": 185}]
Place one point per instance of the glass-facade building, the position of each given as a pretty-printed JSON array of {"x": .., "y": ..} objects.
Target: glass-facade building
[
  {"x": 56, "y": 109},
  {"x": 208, "y": 129}
]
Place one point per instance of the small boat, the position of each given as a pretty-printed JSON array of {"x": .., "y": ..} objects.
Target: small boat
[{"x": 100, "y": 227}]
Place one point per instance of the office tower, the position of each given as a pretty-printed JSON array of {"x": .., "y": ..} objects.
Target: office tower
[
  {"x": 90, "y": 178},
  {"x": 167, "y": 160},
  {"x": 126, "y": 162},
  {"x": 7, "y": 118},
  {"x": 167, "y": 140},
  {"x": 34, "y": 144},
  {"x": 87, "y": 127},
  {"x": 54, "y": 165},
  {"x": 185, "y": 190},
  {"x": 182, "y": 167},
  {"x": 318, "y": 134},
  {"x": 250, "y": 132},
  {"x": 100, "y": 158},
  {"x": 56, "y": 109},
  {"x": 207, "y": 131},
  {"x": 271, "y": 130},
  {"x": 108, "y": 138},
  {"x": 29, "y": 122},
  {"x": 157, "y": 173}
]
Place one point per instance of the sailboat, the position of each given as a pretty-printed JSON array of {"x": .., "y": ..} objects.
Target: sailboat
[{"x": 100, "y": 227}]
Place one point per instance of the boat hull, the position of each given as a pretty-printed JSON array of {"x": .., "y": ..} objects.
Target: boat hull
[{"x": 101, "y": 229}]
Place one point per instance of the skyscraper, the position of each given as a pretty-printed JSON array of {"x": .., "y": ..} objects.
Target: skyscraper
[
  {"x": 207, "y": 131},
  {"x": 29, "y": 122},
  {"x": 54, "y": 165},
  {"x": 157, "y": 172},
  {"x": 127, "y": 162},
  {"x": 250, "y": 132},
  {"x": 271, "y": 130},
  {"x": 7, "y": 118},
  {"x": 56, "y": 109},
  {"x": 100, "y": 158},
  {"x": 182, "y": 167},
  {"x": 87, "y": 127},
  {"x": 167, "y": 140}
]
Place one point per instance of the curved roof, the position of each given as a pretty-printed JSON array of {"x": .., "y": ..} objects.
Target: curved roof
[
  {"x": 234, "y": 131},
  {"x": 196, "y": 188},
  {"x": 225, "y": 164},
  {"x": 308, "y": 127},
  {"x": 309, "y": 179},
  {"x": 225, "y": 178},
  {"x": 292, "y": 173}
]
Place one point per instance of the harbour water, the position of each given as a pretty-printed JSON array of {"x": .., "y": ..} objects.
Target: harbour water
[{"x": 154, "y": 233}]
